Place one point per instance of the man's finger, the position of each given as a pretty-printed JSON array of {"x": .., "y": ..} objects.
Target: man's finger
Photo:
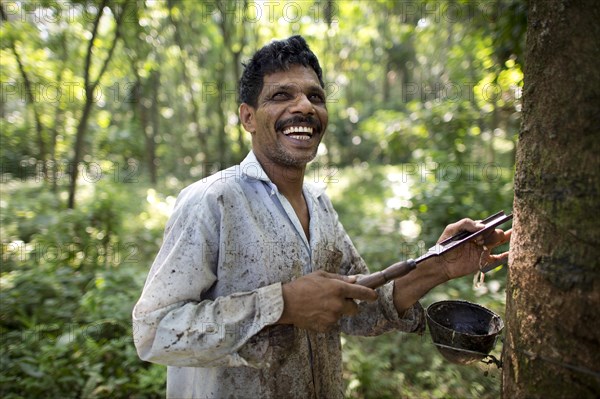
[
  {"x": 494, "y": 261},
  {"x": 341, "y": 277},
  {"x": 462, "y": 225},
  {"x": 497, "y": 237},
  {"x": 355, "y": 291},
  {"x": 468, "y": 225},
  {"x": 351, "y": 290}
]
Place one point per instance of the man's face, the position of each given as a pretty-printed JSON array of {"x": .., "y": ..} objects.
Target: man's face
[{"x": 290, "y": 118}]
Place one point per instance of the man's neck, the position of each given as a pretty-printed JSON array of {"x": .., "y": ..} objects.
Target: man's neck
[{"x": 288, "y": 179}]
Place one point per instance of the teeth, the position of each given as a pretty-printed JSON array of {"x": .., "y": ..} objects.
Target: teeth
[
  {"x": 298, "y": 129},
  {"x": 299, "y": 137}
]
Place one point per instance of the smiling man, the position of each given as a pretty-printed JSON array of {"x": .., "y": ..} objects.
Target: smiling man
[{"x": 254, "y": 282}]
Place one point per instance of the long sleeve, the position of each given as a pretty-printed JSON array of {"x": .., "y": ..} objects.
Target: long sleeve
[{"x": 174, "y": 322}]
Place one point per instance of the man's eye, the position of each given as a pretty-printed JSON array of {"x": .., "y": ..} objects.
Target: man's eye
[
  {"x": 317, "y": 98},
  {"x": 280, "y": 96}
]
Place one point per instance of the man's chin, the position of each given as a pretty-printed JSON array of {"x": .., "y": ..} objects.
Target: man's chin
[{"x": 295, "y": 160}]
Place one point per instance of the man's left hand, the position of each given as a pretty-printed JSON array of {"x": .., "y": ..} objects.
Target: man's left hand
[{"x": 474, "y": 255}]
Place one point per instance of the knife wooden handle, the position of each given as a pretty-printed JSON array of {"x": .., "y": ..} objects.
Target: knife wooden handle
[{"x": 377, "y": 279}]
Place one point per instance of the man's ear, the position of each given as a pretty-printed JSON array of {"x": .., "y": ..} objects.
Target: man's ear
[{"x": 247, "y": 117}]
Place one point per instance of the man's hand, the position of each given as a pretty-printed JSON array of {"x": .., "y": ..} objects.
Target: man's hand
[
  {"x": 472, "y": 256},
  {"x": 458, "y": 262},
  {"x": 318, "y": 300}
]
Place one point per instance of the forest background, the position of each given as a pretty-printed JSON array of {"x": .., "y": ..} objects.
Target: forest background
[{"x": 109, "y": 108}]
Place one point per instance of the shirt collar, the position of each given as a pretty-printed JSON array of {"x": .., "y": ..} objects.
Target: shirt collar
[{"x": 251, "y": 168}]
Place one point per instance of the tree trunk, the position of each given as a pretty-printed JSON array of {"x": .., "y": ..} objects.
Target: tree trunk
[
  {"x": 221, "y": 138},
  {"x": 78, "y": 148},
  {"x": 31, "y": 101},
  {"x": 90, "y": 87},
  {"x": 187, "y": 80},
  {"x": 154, "y": 122},
  {"x": 552, "y": 344},
  {"x": 142, "y": 105}
]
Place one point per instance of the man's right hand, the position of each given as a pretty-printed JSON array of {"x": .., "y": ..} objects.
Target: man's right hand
[{"x": 318, "y": 300}]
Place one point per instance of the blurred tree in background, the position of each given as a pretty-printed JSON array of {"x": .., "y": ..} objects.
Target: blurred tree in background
[{"x": 109, "y": 108}]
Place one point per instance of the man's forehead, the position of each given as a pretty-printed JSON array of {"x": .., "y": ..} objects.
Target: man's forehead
[{"x": 295, "y": 77}]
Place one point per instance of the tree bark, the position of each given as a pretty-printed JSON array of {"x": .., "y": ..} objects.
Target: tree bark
[{"x": 552, "y": 343}]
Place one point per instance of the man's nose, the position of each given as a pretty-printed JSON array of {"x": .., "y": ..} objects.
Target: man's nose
[{"x": 302, "y": 105}]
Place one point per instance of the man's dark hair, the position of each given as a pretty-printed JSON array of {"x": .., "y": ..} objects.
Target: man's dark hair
[{"x": 276, "y": 56}]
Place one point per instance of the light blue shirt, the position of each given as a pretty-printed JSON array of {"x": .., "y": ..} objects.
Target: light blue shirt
[{"x": 213, "y": 295}]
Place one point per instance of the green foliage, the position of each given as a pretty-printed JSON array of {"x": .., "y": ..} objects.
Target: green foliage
[
  {"x": 424, "y": 106},
  {"x": 396, "y": 212},
  {"x": 67, "y": 296},
  {"x": 72, "y": 342},
  {"x": 400, "y": 365}
]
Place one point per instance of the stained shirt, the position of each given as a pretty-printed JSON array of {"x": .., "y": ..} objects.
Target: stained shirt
[{"x": 213, "y": 294}]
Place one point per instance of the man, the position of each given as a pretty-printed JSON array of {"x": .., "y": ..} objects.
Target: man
[{"x": 255, "y": 279}]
